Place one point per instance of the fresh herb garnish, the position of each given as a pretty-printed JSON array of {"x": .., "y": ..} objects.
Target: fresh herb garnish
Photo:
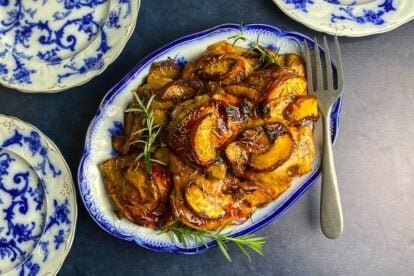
[
  {"x": 150, "y": 130},
  {"x": 265, "y": 57},
  {"x": 185, "y": 234}
]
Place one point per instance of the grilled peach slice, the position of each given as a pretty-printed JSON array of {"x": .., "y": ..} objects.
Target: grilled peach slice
[
  {"x": 217, "y": 170},
  {"x": 204, "y": 205},
  {"x": 163, "y": 72},
  {"x": 296, "y": 63},
  {"x": 183, "y": 120},
  {"x": 255, "y": 194},
  {"x": 251, "y": 141},
  {"x": 276, "y": 109},
  {"x": 192, "y": 70},
  {"x": 255, "y": 139},
  {"x": 204, "y": 140},
  {"x": 302, "y": 109},
  {"x": 215, "y": 68},
  {"x": 226, "y": 69},
  {"x": 226, "y": 98},
  {"x": 217, "y": 93},
  {"x": 243, "y": 91},
  {"x": 228, "y": 48},
  {"x": 286, "y": 86},
  {"x": 238, "y": 157},
  {"x": 261, "y": 79},
  {"x": 280, "y": 59},
  {"x": 279, "y": 152},
  {"x": 176, "y": 91}
]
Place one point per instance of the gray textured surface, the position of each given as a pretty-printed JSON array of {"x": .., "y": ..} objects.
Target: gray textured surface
[{"x": 374, "y": 156}]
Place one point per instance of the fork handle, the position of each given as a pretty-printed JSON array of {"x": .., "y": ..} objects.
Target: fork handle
[{"x": 331, "y": 210}]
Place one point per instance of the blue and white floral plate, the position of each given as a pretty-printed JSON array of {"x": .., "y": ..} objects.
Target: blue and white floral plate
[
  {"x": 51, "y": 45},
  {"x": 109, "y": 121},
  {"x": 349, "y": 17},
  {"x": 37, "y": 202}
]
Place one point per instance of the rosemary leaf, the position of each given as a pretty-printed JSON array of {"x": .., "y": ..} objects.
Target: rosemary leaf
[
  {"x": 184, "y": 234},
  {"x": 223, "y": 249},
  {"x": 150, "y": 132},
  {"x": 254, "y": 45},
  {"x": 242, "y": 249}
]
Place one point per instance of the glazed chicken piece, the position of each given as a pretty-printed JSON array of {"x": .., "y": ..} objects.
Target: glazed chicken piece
[{"x": 137, "y": 196}]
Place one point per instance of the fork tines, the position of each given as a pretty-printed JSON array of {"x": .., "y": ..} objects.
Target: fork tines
[{"x": 323, "y": 82}]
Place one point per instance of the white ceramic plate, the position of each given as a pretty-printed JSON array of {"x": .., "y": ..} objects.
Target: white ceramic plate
[
  {"x": 108, "y": 121},
  {"x": 52, "y": 45},
  {"x": 349, "y": 17},
  {"x": 38, "y": 208}
]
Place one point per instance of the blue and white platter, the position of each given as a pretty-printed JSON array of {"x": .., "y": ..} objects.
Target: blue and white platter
[
  {"x": 52, "y": 45},
  {"x": 37, "y": 201},
  {"x": 349, "y": 17},
  {"x": 108, "y": 121}
]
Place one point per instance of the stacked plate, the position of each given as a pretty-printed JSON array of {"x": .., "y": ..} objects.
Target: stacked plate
[{"x": 47, "y": 46}]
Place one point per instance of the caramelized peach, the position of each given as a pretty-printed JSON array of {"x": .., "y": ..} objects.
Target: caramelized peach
[
  {"x": 278, "y": 153},
  {"x": 301, "y": 109},
  {"x": 286, "y": 86},
  {"x": 204, "y": 205},
  {"x": 162, "y": 72}
]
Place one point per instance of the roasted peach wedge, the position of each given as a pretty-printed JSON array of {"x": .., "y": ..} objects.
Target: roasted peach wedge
[
  {"x": 162, "y": 73},
  {"x": 141, "y": 198},
  {"x": 302, "y": 109}
]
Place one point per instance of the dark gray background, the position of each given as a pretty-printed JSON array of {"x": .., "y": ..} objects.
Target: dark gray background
[{"x": 374, "y": 156}]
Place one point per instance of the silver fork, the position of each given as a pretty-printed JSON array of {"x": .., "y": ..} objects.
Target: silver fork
[{"x": 327, "y": 94}]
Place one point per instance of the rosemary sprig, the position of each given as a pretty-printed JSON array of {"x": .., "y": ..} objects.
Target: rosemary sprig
[
  {"x": 150, "y": 130},
  {"x": 254, "y": 45},
  {"x": 184, "y": 235}
]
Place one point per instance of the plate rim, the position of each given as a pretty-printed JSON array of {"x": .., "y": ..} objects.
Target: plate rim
[
  {"x": 116, "y": 54},
  {"x": 296, "y": 195},
  {"x": 295, "y": 14},
  {"x": 74, "y": 207}
]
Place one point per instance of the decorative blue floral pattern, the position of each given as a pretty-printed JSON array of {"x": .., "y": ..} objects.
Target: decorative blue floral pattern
[
  {"x": 180, "y": 60},
  {"x": 29, "y": 268},
  {"x": 37, "y": 202},
  {"x": 30, "y": 36},
  {"x": 116, "y": 129},
  {"x": 300, "y": 4},
  {"x": 35, "y": 146},
  {"x": 373, "y": 16},
  {"x": 19, "y": 196}
]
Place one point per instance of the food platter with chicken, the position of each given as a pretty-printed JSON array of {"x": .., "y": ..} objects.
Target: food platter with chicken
[{"x": 205, "y": 141}]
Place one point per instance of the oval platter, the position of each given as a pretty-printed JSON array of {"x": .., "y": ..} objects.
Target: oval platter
[
  {"x": 51, "y": 45},
  {"x": 349, "y": 17},
  {"x": 108, "y": 121},
  {"x": 38, "y": 208}
]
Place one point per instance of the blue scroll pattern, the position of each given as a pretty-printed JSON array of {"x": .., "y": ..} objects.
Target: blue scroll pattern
[
  {"x": 20, "y": 198},
  {"x": 373, "y": 16},
  {"x": 23, "y": 25}
]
